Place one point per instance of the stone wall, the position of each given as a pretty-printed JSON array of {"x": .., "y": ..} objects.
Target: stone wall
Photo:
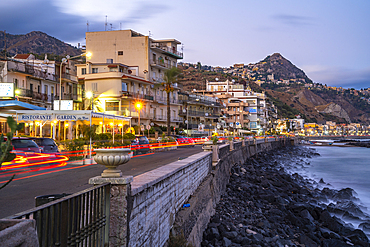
[{"x": 158, "y": 196}]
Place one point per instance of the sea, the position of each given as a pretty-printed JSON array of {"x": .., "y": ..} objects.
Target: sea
[{"x": 342, "y": 167}]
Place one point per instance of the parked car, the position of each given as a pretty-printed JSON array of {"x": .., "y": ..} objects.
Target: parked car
[
  {"x": 140, "y": 145},
  {"x": 25, "y": 145},
  {"x": 184, "y": 141},
  {"x": 47, "y": 145}
]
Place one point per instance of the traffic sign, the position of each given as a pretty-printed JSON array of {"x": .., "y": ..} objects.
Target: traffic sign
[
  {"x": 148, "y": 127},
  {"x": 142, "y": 127}
]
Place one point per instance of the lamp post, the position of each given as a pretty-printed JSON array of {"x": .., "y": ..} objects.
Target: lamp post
[
  {"x": 90, "y": 95},
  {"x": 138, "y": 106}
]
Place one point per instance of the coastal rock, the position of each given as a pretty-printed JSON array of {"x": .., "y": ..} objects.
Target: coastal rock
[{"x": 266, "y": 206}]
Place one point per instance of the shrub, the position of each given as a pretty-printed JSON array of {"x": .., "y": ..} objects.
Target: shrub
[{"x": 129, "y": 136}]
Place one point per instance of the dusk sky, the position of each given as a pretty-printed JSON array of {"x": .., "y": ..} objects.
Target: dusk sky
[{"x": 329, "y": 40}]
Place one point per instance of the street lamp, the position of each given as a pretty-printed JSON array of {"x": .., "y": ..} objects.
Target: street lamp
[
  {"x": 90, "y": 95},
  {"x": 64, "y": 60},
  {"x": 138, "y": 106}
]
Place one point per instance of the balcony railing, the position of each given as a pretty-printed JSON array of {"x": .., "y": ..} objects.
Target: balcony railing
[
  {"x": 138, "y": 95},
  {"x": 193, "y": 101},
  {"x": 34, "y": 95},
  {"x": 161, "y": 62},
  {"x": 72, "y": 96},
  {"x": 69, "y": 77},
  {"x": 167, "y": 49}
]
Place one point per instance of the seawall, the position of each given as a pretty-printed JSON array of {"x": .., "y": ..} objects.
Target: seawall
[{"x": 156, "y": 198}]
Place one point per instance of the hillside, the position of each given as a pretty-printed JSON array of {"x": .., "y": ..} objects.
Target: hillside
[
  {"x": 36, "y": 43},
  {"x": 289, "y": 89}
]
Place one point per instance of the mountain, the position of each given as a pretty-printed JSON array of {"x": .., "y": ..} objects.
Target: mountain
[
  {"x": 277, "y": 68},
  {"x": 35, "y": 42}
]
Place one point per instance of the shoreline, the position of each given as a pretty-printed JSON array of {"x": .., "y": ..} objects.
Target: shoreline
[{"x": 265, "y": 205}]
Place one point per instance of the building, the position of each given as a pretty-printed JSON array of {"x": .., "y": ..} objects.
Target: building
[
  {"x": 255, "y": 105},
  {"x": 127, "y": 67},
  {"x": 201, "y": 114}
]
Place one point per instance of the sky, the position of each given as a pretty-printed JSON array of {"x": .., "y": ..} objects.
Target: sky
[{"x": 329, "y": 40}]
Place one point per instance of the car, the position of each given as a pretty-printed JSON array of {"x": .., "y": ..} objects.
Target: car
[
  {"x": 184, "y": 141},
  {"x": 140, "y": 144},
  {"x": 25, "y": 145},
  {"x": 47, "y": 145}
]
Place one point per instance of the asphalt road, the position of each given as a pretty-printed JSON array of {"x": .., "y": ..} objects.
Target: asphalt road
[{"x": 20, "y": 194}]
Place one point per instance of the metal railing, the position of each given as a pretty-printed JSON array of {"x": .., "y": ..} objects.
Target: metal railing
[{"x": 81, "y": 219}]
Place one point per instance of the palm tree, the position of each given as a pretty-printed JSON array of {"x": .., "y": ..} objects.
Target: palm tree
[{"x": 170, "y": 77}]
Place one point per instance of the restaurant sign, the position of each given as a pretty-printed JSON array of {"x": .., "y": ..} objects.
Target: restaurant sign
[{"x": 51, "y": 117}]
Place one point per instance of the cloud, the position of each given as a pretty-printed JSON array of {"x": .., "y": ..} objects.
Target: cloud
[
  {"x": 293, "y": 20},
  {"x": 67, "y": 20}
]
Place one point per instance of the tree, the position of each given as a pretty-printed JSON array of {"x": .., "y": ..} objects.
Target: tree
[{"x": 170, "y": 77}]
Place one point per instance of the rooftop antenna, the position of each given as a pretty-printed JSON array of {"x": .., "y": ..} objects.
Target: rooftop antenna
[
  {"x": 150, "y": 34},
  {"x": 106, "y": 22},
  {"x": 111, "y": 26},
  {"x": 87, "y": 26}
]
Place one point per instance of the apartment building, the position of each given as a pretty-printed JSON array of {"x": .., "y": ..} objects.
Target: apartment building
[
  {"x": 37, "y": 82},
  {"x": 201, "y": 113},
  {"x": 254, "y": 110},
  {"x": 127, "y": 67}
]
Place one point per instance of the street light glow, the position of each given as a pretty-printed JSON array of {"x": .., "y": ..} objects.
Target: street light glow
[
  {"x": 89, "y": 94},
  {"x": 138, "y": 106}
]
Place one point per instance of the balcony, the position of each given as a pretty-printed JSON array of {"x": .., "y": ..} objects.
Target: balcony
[
  {"x": 69, "y": 77},
  {"x": 33, "y": 95},
  {"x": 159, "y": 118},
  {"x": 168, "y": 50},
  {"x": 160, "y": 63},
  {"x": 137, "y": 95},
  {"x": 199, "y": 101},
  {"x": 72, "y": 96}
]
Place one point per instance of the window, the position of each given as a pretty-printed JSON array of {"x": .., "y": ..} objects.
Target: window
[
  {"x": 120, "y": 53},
  {"x": 124, "y": 87},
  {"x": 109, "y": 60},
  {"x": 94, "y": 87},
  {"x": 112, "y": 106},
  {"x": 94, "y": 70},
  {"x": 83, "y": 71},
  {"x": 15, "y": 82}
]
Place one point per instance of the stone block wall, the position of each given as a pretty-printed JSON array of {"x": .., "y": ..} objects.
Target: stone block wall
[{"x": 157, "y": 197}]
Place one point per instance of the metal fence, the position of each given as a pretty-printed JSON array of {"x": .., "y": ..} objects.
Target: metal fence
[{"x": 81, "y": 219}]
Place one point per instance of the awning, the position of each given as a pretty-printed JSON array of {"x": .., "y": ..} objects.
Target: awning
[{"x": 10, "y": 105}]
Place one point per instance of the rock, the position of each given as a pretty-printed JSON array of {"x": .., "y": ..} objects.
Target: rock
[
  {"x": 334, "y": 243},
  {"x": 308, "y": 242},
  {"x": 226, "y": 242}
]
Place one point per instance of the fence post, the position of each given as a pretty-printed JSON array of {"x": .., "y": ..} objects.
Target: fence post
[{"x": 120, "y": 192}]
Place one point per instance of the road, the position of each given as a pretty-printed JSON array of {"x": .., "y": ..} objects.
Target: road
[{"x": 73, "y": 177}]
